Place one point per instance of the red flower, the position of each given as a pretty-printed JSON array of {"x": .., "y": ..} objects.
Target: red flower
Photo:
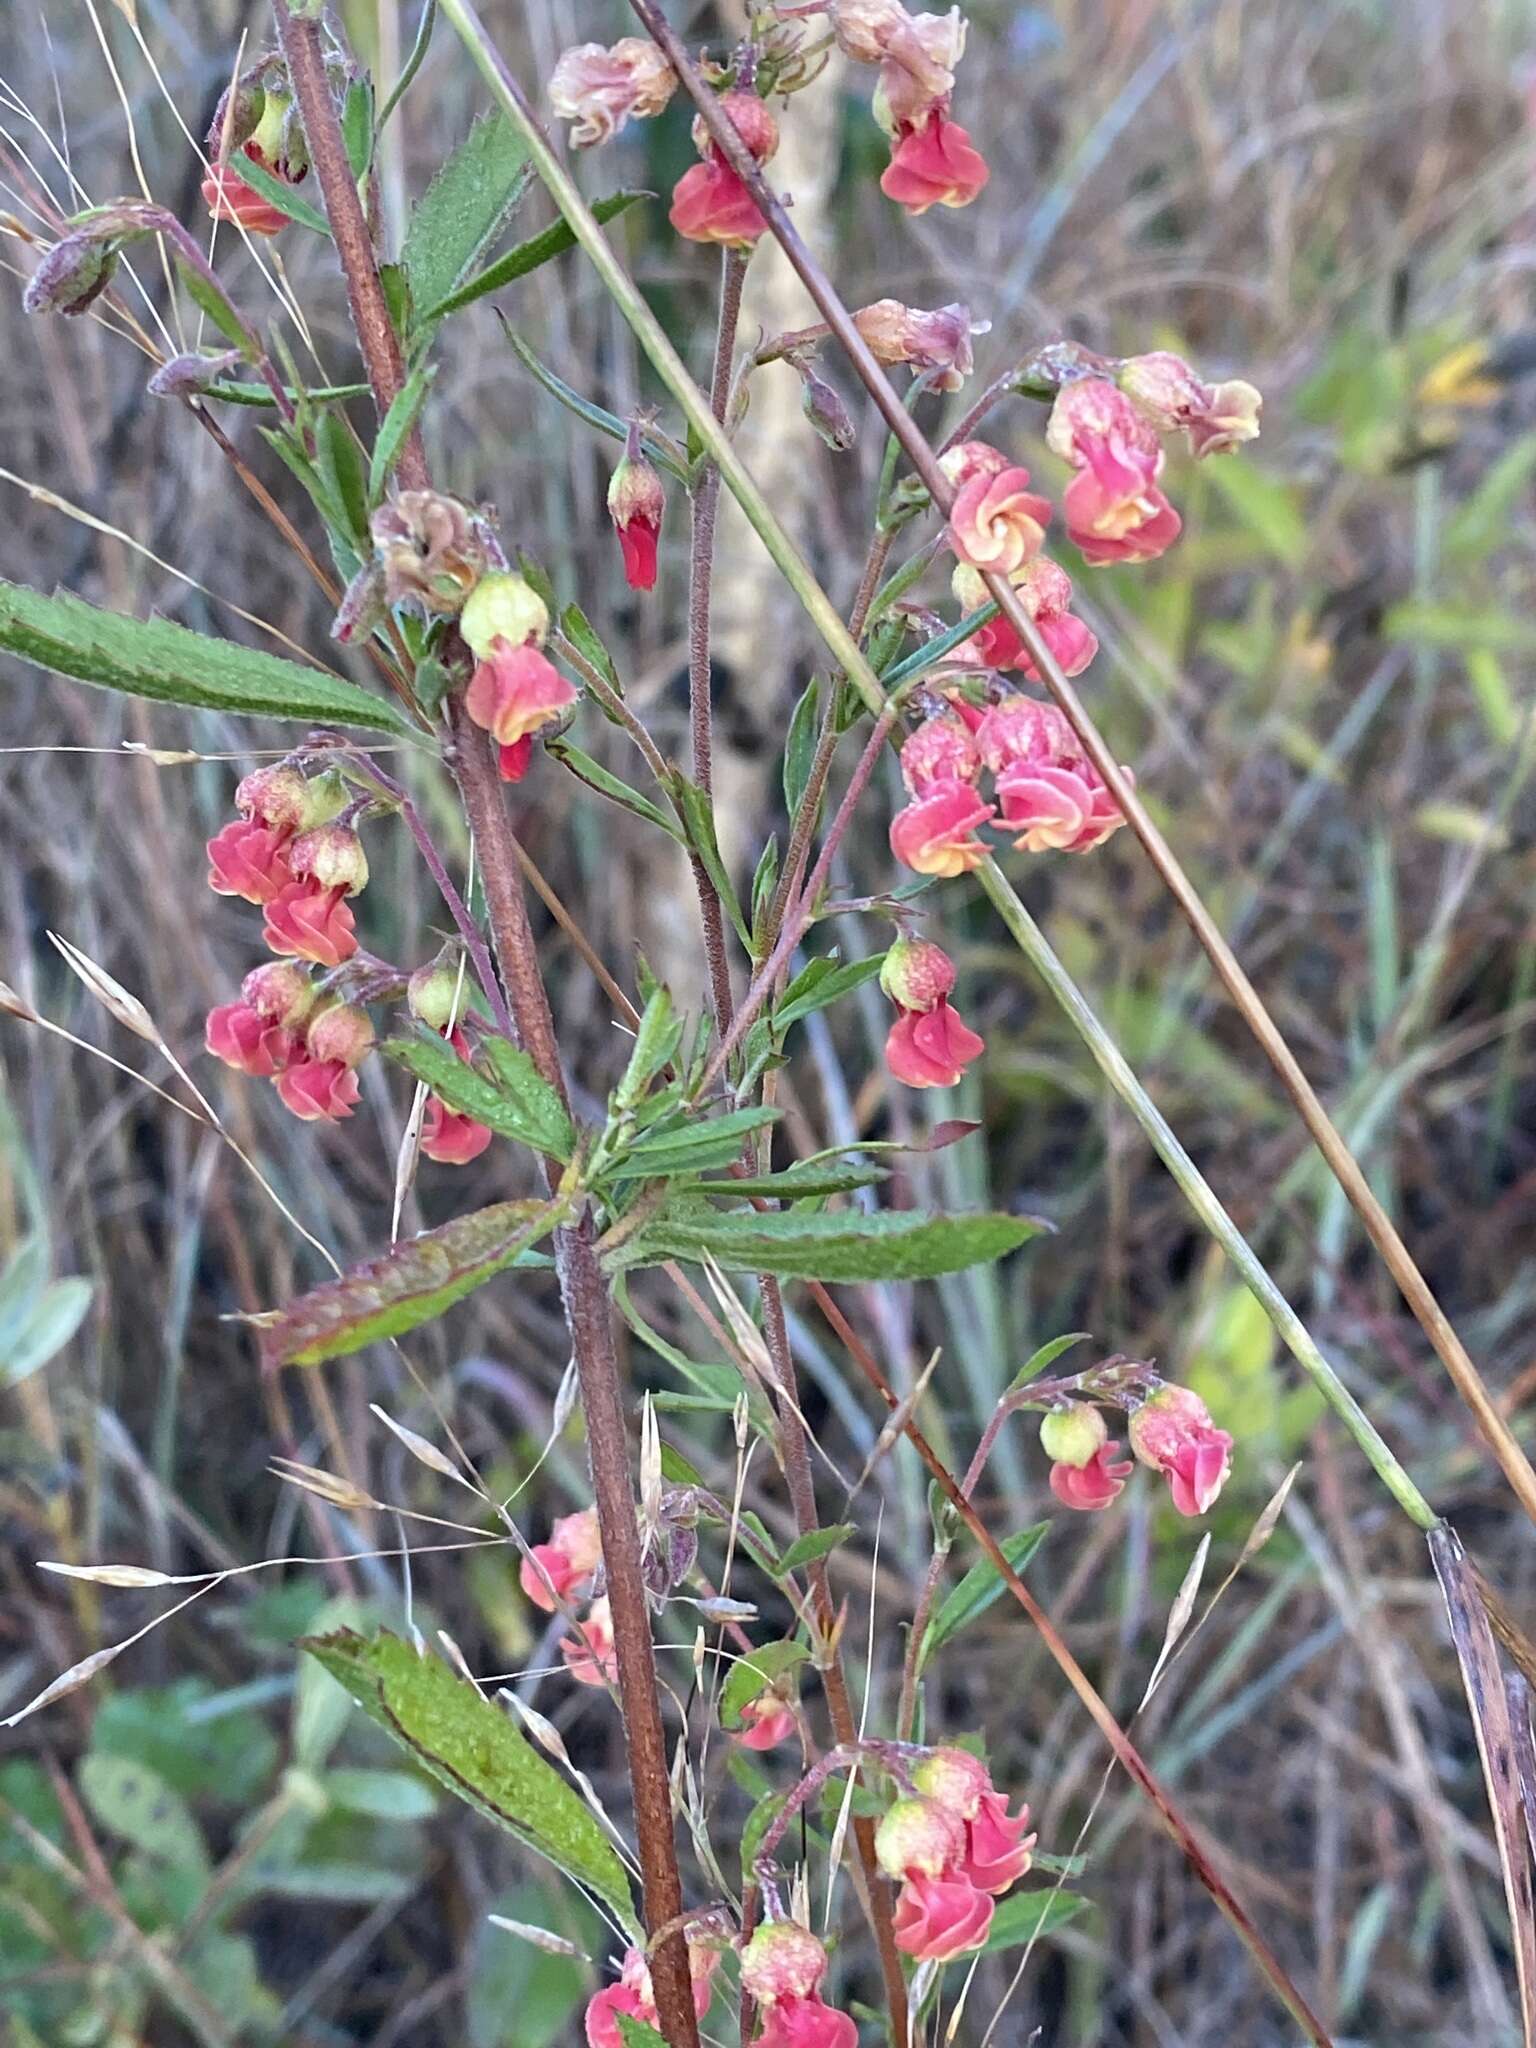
[
  {"x": 711, "y": 204},
  {"x": 938, "y": 1918},
  {"x": 934, "y": 164},
  {"x": 250, "y": 1043},
  {"x": 228, "y": 197},
  {"x": 807, "y": 2023},
  {"x": 449, "y": 1138},
  {"x": 314, "y": 924},
  {"x": 565, "y": 1563},
  {"x": 768, "y": 1721},
  {"x": 512, "y": 762},
  {"x": 1093, "y": 1485},
  {"x": 515, "y": 690},
  {"x": 935, "y": 835},
  {"x": 248, "y": 860},
  {"x": 589, "y": 1655},
  {"x": 997, "y": 1850},
  {"x": 635, "y": 504},
  {"x": 931, "y": 1049},
  {"x": 1172, "y": 1432},
  {"x": 602, "y": 2028},
  {"x": 319, "y": 1090},
  {"x": 635, "y": 1997}
]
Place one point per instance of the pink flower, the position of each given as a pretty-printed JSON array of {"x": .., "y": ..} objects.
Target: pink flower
[
  {"x": 635, "y": 1997},
  {"x": 1114, "y": 509},
  {"x": 635, "y": 504},
  {"x": 228, "y": 197},
  {"x": 807, "y": 2023},
  {"x": 318, "y": 1090},
  {"x": 938, "y": 1918},
  {"x": 955, "y": 1778},
  {"x": 935, "y": 835},
  {"x": 589, "y": 1654},
  {"x": 1172, "y": 1432},
  {"x": 314, "y": 924},
  {"x": 245, "y": 1040},
  {"x": 566, "y": 1562},
  {"x": 938, "y": 342},
  {"x": 1169, "y": 396},
  {"x": 515, "y": 690},
  {"x": 769, "y": 1720},
  {"x": 602, "y": 2028},
  {"x": 941, "y": 749},
  {"x": 997, "y": 523},
  {"x": 931, "y": 1049},
  {"x": 997, "y": 1849},
  {"x": 1045, "y": 590},
  {"x": 1057, "y": 808},
  {"x": 711, "y": 204},
  {"x": 248, "y": 860},
  {"x": 598, "y": 89},
  {"x": 448, "y": 1137},
  {"x": 934, "y": 165},
  {"x": 1093, "y": 1485}
]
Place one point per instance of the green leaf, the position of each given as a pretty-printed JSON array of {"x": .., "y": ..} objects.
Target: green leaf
[
  {"x": 811, "y": 1245},
  {"x": 341, "y": 463},
  {"x": 1270, "y": 510},
  {"x": 136, "y": 1804},
  {"x": 1027, "y": 1915},
  {"x": 656, "y": 1041},
  {"x": 800, "y": 744},
  {"x": 697, "y": 814},
  {"x": 51, "y": 1319},
  {"x": 596, "y": 416},
  {"x": 693, "y": 1149},
  {"x": 152, "y": 658},
  {"x": 357, "y": 125},
  {"x": 803, "y": 1182},
  {"x": 1460, "y": 626},
  {"x": 754, "y": 1674},
  {"x": 461, "y": 209},
  {"x": 411, "y": 1284},
  {"x": 982, "y": 1584},
  {"x": 472, "y": 1747},
  {"x": 403, "y": 414},
  {"x": 541, "y": 248},
  {"x": 638, "y": 2033},
  {"x": 807, "y": 1549},
  {"x": 1484, "y": 522},
  {"x": 282, "y": 195},
  {"x": 210, "y": 297},
  {"x": 820, "y": 983},
  {"x": 578, "y": 629},
  {"x": 1047, "y": 1355},
  {"x": 514, "y": 1100},
  {"x": 598, "y": 778}
]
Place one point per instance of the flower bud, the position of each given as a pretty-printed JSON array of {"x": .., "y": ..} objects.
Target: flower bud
[
  {"x": 502, "y": 606},
  {"x": 279, "y": 992},
  {"x": 73, "y": 275},
  {"x": 916, "y": 974},
  {"x": 341, "y": 1032},
  {"x": 751, "y": 118},
  {"x": 954, "y": 1778},
  {"x": 782, "y": 1960},
  {"x": 434, "y": 994},
  {"x": 331, "y": 856},
  {"x": 277, "y": 797},
  {"x": 191, "y": 375},
  {"x": 825, "y": 410},
  {"x": 918, "y": 1834},
  {"x": 1073, "y": 1434},
  {"x": 636, "y": 502}
]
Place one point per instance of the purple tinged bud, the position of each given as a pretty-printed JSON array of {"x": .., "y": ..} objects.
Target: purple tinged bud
[
  {"x": 73, "y": 275},
  {"x": 191, "y": 375},
  {"x": 825, "y": 410}
]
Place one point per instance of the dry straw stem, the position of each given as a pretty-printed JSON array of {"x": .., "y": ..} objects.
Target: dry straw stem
[{"x": 1415, "y": 1289}]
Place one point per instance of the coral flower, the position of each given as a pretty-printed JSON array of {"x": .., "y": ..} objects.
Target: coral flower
[
  {"x": 313, "y": 924},
  {"x": 941, "y": 749},
  {"x": 767, "y": 1721},
  {"x": 634, "y": 1996},
  {"x": 931, "y": 1049},
  {"x": 450, "y": 1138},
  {"x": 934, "y": 164},
  {"x": 635, "y": 504},
  {"x": 228, "y": 197},
  {"x": 565, "y": 1563},
  {"x": 250, "y": 1043},
  {"x": 1114, "y": 509},
  {"x": 997, "y": 1848},
  {"x": 936, "y": 834},
  {"x": 1173, "y": 1433},
  {"x": 248, "y": 860},
  {"x": 938, "y": 1918},
  {"x": 807, "y": 2023},
  {"x": 997, "y": 523},
  {"x": 515, "y": 690},
  {"x": 589, "y": 1654},
  {"x": 711, "y": 204},
  {"x": 1057, "y": 807},
  {"x": 319, "y": 1090},
  {"x": 1093, "y": 1485}
]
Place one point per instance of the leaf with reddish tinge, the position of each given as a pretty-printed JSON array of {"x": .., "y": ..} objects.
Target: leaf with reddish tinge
[{"x": 412, "y": 1283}]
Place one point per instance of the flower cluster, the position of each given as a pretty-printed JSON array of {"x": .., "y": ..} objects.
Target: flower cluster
[
  {"x": 1171, "y": 1432},
  {"x": 954, "y": 1848},
  {"x": 515, "y": 688},
  {"x": 933, "y": 162},
  {"x": 634, "y": 1997},
  {"x": 928, "y": 1046},
  {"x": 782, "y": 1967}
]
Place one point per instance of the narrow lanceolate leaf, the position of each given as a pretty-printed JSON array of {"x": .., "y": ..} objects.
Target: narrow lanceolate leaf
[
  {"x": 512, "y": 1098},
  {"x": 816, "y": 1543},
  {"x": 279, "y": 193},
  {"x": 462, "y": 208},
  {"x": 1028, "y": 1915},
  {"x": 607, "y": 784},
  {"x": 802, "y": 1182},
  {"x": 411, "y": 1284},
  {"x": 976, "y": 1592},
  {"x": 398, "y": 422},
  {"x": 153, "y": 658},
  {"x": 697, "y": 816},
  {"x": 471, "y": 1746},
  {"x": 1047, "y": 1355},
  {"x": 715, "y": 1142},
  {"x": 538, "y": 249},
  {"x": 796, "y": 1245}
]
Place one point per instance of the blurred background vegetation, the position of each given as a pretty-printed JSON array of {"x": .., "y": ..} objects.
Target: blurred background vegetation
[{"x": 1325, "y": 692}]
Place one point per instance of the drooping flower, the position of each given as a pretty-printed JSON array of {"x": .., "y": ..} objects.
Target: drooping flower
[
  {"x": 1074, "y": 1433},
  {"x": 1045, "y": 590},
  {"x": 709, "y": 202},
  {"x": 807, "y": 2023},
  {"x": 1172, "y": 1432},
  {"x": 939, "y": 1918},
  {"x": 938, "y": 342},
  {"x": 954, "y": 1778},
  {"x": 634, "y": 1995},
  {"x": 331, "y": 857},
  {"x": 998, "y": 1848},
  {"x": 766, "y": 1722},
  {"x": 589, "y": 1654},
  {"x": 997, "y": 522},
  {"x": 933, "y": 164},
  {"x": 286, "y": 800},
  {"x": 1170, "y": 397},
  {"x": 503, "y": 606},
  {"x": 449, "y": 1137},
  {"x": 636, "y": 502},
  {"x": 931, "y": 1050},
  {"x": 250, "y": 1043},
  {"x": 229, "y": 197},
  {"x": 562, "y": 1568},
  {"x": 1048, "y": 791},
  {"x": 941, "y": 749},
  {"x": 340, "y": 1031},
  {"x": 516, "y": 690},
  {"x": 318, "y": 1090},
  {"x": 598, "y": 89},
  {"x": 970, "y": 459},
  {"x": 781, "y": 1971},
  {"x": 917, "y": 974},
  {"x": 919, "y": 1836},
  {"x": 274, "y": 143},
  {"x": 1115, "y": 511},
  {"x": 936, "y": 833},
  {"x": 248, "y": 860},
  {"x": 1095, "y": 1484},
  {"x": 312, "y": 924}
]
